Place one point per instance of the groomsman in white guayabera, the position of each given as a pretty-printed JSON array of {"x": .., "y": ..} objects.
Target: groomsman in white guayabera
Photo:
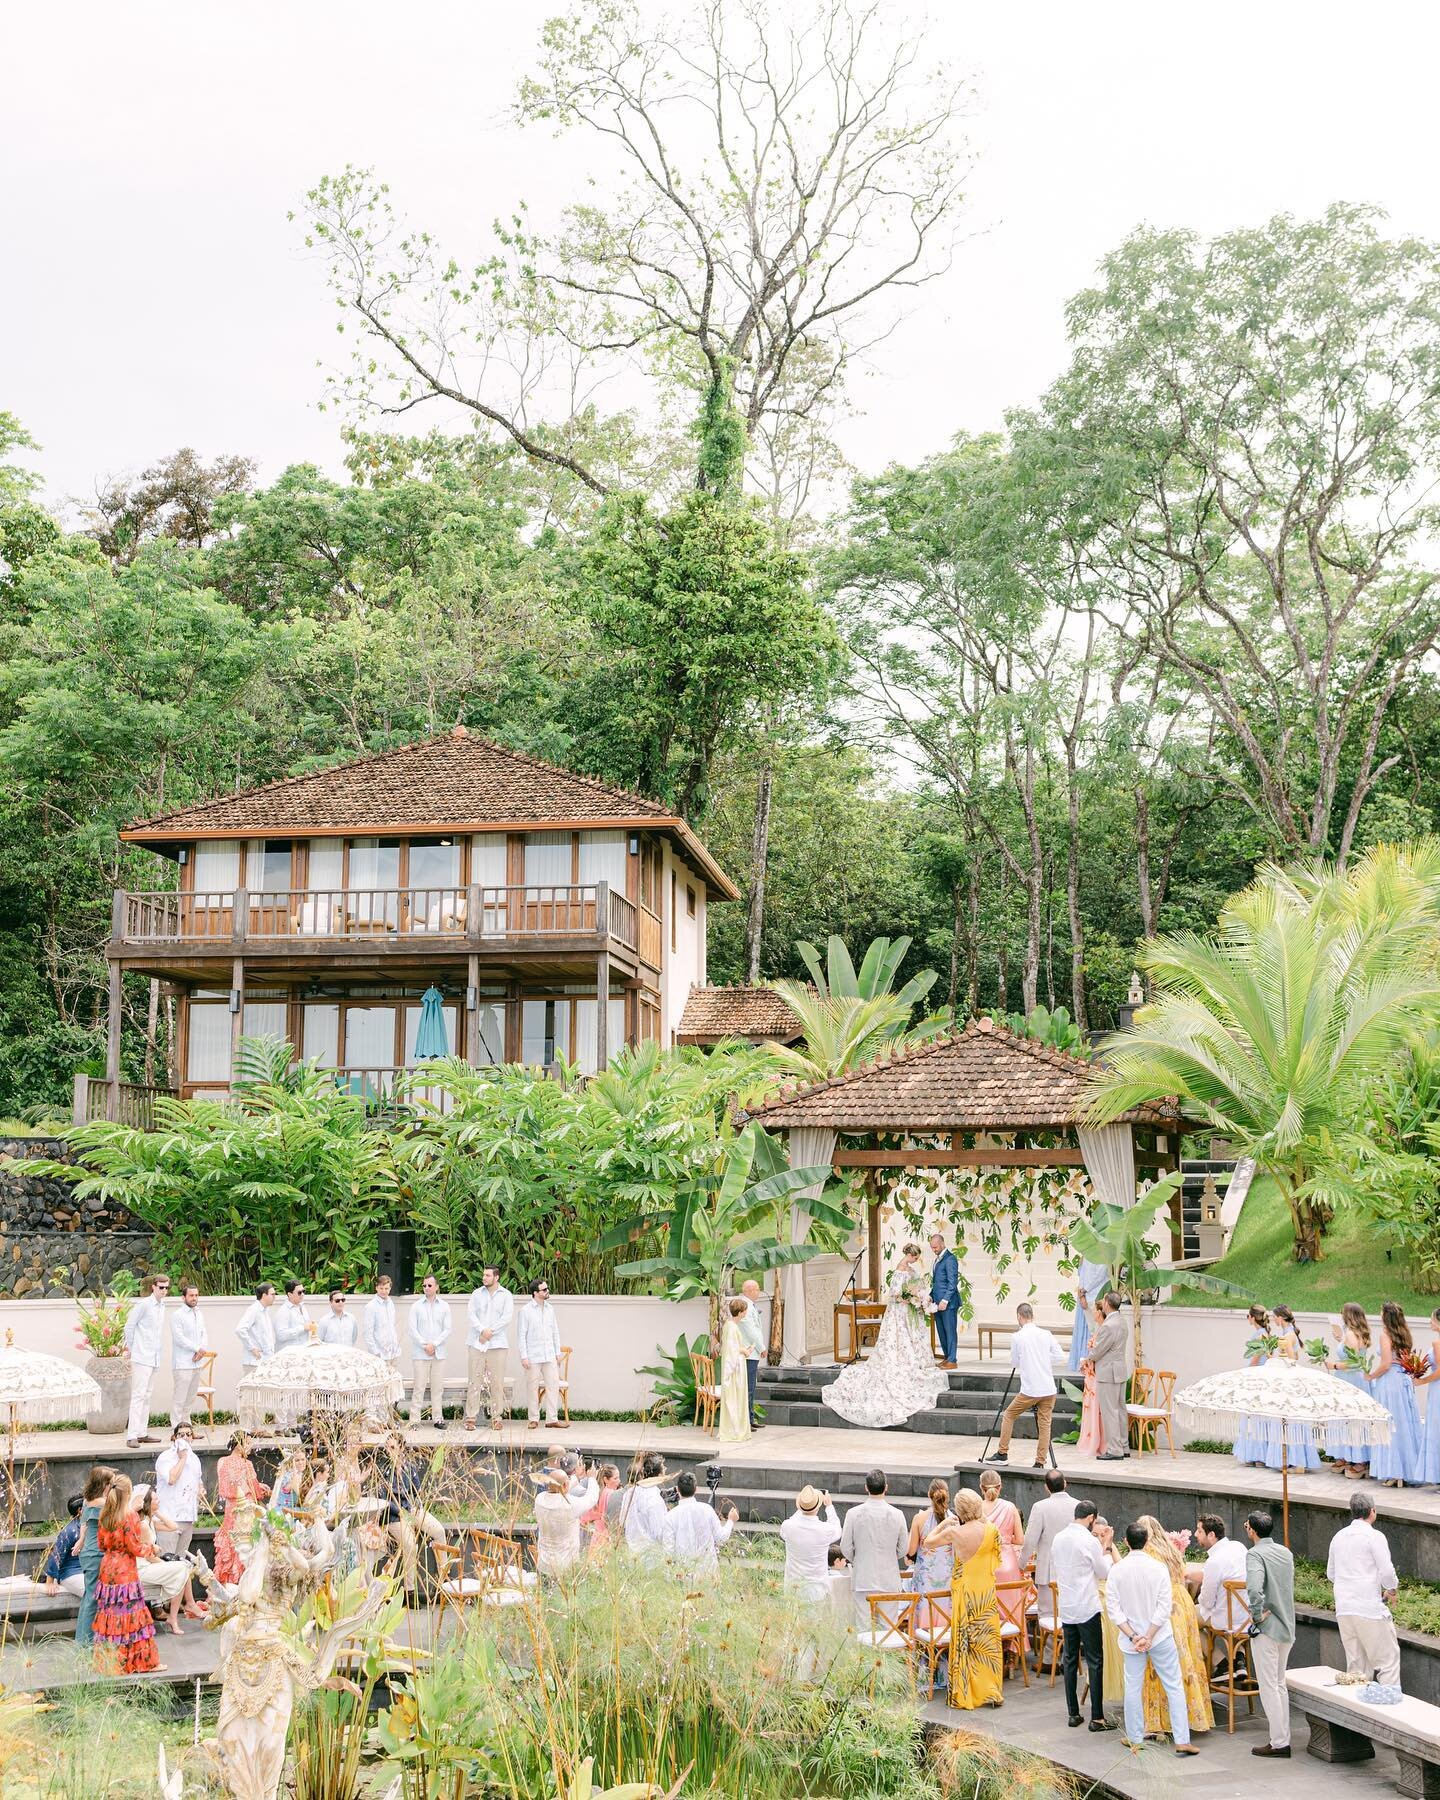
[
  {"x": 144, "y": 1332},
  {"x": 338, "y": 1327},
  {"x": 255, "y": 1330},
  {"x": 189, "y": 1346},
  {"x": 379, "y": 1333},
  {"x": 487, "y": 1345},
  {"x": 538, "y": 1340},
  {"x": 290, "y": 1319},
  {"x": 429, "y": 1334}
]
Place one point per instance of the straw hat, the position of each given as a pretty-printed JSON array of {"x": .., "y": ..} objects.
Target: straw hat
[{"x": 808, "y": 1499}]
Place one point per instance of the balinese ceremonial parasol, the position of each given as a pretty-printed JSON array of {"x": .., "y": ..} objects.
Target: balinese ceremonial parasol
[
  {"x": 325, "y": 1377},
  {"x": 1310, "y": 1406},
  {"x": 36, "y": 1389}
]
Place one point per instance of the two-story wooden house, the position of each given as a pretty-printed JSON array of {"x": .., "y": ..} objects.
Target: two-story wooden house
[{"x": 320, "y": 908}]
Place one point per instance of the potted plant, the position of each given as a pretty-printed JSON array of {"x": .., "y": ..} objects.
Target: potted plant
[{"x": 102, "y": 1332}]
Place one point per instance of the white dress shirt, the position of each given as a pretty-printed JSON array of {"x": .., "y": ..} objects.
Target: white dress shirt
[
  {"x": 693, "y": 1533},
  {"x": 643, "y": 1511},
  {"x": 338, "y": 1328},
  {"x": 557, "y": 1527},
  {"x": 188, "y": 1334},
  {"x": 1078, "y": 1565},
  {"x": 1034, "y": 1352},
  {"x": 490, "y": 1309},
  {"x": 538, "y": 1333},
  {"x": 1226, "y": 1562},
  {"x": 144, "y": 1328},
  {"x": 808, "y": 1537},
  {"x": 429, "y": 1324},
  {"x": 1360, "y": 1568},
  {"x": 256, "y": 1332},
  {"x": 178, "y": 1495},
  {"x": 291, "y": 1323},
  {"x": 1137, "y": 1595},
  {"x": 378, "y": 1330}
]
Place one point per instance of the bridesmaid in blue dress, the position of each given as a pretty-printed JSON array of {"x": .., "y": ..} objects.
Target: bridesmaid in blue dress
[
  {"x": 1399, "y": 1461},
  {"x": 1278, "y": 1450},
  {"x": 1091, "y": 1281},
  {"x": 1430, "y": 1437},
  {"x": 1352, "y": 1333},
  {"x": 1250, "y": 1444}
]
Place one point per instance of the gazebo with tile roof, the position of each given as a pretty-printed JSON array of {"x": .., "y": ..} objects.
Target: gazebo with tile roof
[
  {"x": 983, "y": 1098},
  {"x": 758, "y": 1015}
]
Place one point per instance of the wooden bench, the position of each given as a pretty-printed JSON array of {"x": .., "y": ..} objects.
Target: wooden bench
[
  {"x": 988, "y": 1330},
  {"x": 1346, "y": 1729}
]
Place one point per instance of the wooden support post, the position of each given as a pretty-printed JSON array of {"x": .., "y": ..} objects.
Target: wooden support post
[
  {"x": 237, "y": 1018},
  {"x": 602, "y": 1010},
  {"x": 472, "y": 1007},
  {"x": 112, "y": 1045}
]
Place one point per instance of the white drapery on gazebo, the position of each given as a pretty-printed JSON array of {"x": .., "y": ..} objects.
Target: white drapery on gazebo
[
  {"x": 810, "y": 1148},
  {"x": 1109, "y": 1153}
]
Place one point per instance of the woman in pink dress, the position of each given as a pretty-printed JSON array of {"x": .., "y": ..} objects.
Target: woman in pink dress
[
  {"x": 1004, "y": 1515},
  {"x": 237, "y": 1485},
  {"x": 1091, "y": 1441}
]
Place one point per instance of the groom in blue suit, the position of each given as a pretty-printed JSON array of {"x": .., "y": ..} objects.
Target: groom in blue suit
[{"x": 945, "y": 1292}]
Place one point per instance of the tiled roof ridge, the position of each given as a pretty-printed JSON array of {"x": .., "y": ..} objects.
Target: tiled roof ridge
[
  {"x": 374, "y": 756},
  {"x": 891, "y": 1055}
]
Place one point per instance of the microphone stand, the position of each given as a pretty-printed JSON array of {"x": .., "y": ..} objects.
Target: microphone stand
[{"x": 849, "y": 1288}]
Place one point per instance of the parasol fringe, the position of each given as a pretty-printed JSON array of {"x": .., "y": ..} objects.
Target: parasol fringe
[{"x": 1319, "y": 1434}]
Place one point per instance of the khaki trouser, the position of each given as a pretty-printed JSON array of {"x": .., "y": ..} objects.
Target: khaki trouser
[
  {"x": 1042, "y": 1405},
  {"x": 1271, "y": 1657},
  {"x": 429, "y": 1372},
  {"x": 546, "y": 1375},
  {"x": 177, "y": 1542},
  {"x": 486, "y": 1365},
  {"x": 1371, "y": 1648},
  {"x": 182, "y": 1395}
]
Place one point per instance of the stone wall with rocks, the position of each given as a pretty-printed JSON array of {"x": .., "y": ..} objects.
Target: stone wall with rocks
[{"x": 51, "y": 1242}]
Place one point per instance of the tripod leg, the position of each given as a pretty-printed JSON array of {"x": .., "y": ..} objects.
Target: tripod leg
[{"x": 1004, "y": 1402}]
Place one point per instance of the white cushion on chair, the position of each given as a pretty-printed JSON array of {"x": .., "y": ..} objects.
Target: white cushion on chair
[
  {"x": 883, "y": 1640},
  {"x": 503, "y": 1596},
  {"x": 1009, "y": 1631},
  {"x": 464, "y": 1589}
]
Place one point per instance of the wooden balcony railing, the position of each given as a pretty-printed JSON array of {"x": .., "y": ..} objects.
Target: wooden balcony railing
[
  {"x": 124, "y": 1102},
  {"x": 473, "y": 916}
]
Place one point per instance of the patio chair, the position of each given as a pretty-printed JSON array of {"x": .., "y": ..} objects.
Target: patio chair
[
  {"x": 891, "y": 1630},
  {"x": 1232, "y": 1638},
  {"x": 707, "y": 1393},
  {"x": 931, "y": 1631},
  {"x": 205, "y": 1393},
  {"x": 562, "y": 1382},
  {"x": 1140, "y": 1384},
  {"x": 1156, "y": 1410},
  {"x": 1046, "y": 1628},
  {"x": 1012, "y": 1636},
  {"x": 456, "y": 1589}
]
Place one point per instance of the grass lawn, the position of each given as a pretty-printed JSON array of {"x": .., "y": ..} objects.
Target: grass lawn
[{"x": 1354, "y": 1267}]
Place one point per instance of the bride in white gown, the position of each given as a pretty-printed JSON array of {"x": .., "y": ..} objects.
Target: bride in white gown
[{"x": 899, "y": 1377}]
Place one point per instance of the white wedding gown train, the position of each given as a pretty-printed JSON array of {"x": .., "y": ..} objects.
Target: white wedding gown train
[{"x": 898, "y": 1378}]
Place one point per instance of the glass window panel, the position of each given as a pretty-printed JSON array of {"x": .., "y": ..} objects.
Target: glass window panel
[
  {"x": 434, "y": 864},
  {"x": 327, "y": 864},
  {"x": 412, "y": 1025},
  {"x": 266, "y": 1019},
  {"x": 369, "y": 1037},
  {"x": 217, "y": 870},
  {"x": 547, "y": 859},
  {"x": 586, "y": 1049},
  {"x": 603, "y": 856},
  {"x": 208, "y": 1058},
  {"x": 269, "y": 869},
  {"x": 375, "y": 863},
  {"x": 321, "y": 1033},
  {"x": 489, "y": 859},
  {"x": 488, "y": 1030},
  {"x": 544, "y": 1031}
]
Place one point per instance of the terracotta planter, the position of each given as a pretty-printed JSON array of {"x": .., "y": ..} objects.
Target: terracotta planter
[{"x": 112, "y": 1375}]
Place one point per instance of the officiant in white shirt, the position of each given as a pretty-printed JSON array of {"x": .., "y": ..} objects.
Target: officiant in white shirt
[{"x": 1034, "y": 1355}]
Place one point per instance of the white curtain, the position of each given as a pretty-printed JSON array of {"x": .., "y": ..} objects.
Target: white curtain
[
  {"x": 1110, "y": 1161},
  {"x": 810, "y": 1147}
]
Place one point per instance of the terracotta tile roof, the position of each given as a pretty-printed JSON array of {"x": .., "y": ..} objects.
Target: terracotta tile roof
[
  {"x": 756, "y": 1013},
  {"x": 984, "y": 1079},
  {"x": 451, "y": 782}
]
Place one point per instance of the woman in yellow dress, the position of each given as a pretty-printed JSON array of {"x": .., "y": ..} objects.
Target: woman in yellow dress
[
  {"x": 975, "y": 1661},
  {"x": 1185, "y": 1623},
  {"x": 734, "y": 1388}
]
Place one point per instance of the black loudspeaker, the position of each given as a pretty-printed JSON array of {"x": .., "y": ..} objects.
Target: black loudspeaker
[{"x": 397, "y": 1260}]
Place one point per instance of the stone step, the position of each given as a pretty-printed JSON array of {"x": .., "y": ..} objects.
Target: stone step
[{"x": 949, "y": 1422}]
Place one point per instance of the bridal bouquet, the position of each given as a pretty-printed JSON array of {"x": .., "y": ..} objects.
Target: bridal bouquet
[
  {"x": 1351, "y": 1358},
  {"x": 1413, "y": 1363},
  {"x": 916, "y": 1295}
]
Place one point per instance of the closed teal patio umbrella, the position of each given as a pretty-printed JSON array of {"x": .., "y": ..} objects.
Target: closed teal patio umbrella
[{"x": 430, "y": 1038}]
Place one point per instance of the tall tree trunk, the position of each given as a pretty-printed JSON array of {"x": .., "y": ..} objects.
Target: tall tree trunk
[
  {"x": 972, "y": 938},
  {"x": 955, "y": 893},
  {"x": 152, "y": 1023},
  {"x": 1142, "y": 859},
  {"x": 1002, "y": 954},
  {"x": 759, "y": 857},
  {"x": 776, "y": 1347},
  {"x": 1072, "y": 907}
]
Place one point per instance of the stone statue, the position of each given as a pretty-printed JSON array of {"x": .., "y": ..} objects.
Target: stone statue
[{"x": 264, "y": 1668}]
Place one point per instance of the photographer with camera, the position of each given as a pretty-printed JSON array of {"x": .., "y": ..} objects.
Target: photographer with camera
[{"x": 1270, "y": 1590}]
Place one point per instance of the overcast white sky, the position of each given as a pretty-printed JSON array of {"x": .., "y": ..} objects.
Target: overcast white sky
[{"x": 155, "y": 295}]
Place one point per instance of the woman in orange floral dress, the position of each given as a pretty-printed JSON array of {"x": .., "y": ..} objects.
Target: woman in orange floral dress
[
  {"x": 124, "y": 1624},
  {"x": 237, "y": 1484}
]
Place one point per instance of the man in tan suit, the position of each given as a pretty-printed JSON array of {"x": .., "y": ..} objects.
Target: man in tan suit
[{"x": 1107, "y": 1359}]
